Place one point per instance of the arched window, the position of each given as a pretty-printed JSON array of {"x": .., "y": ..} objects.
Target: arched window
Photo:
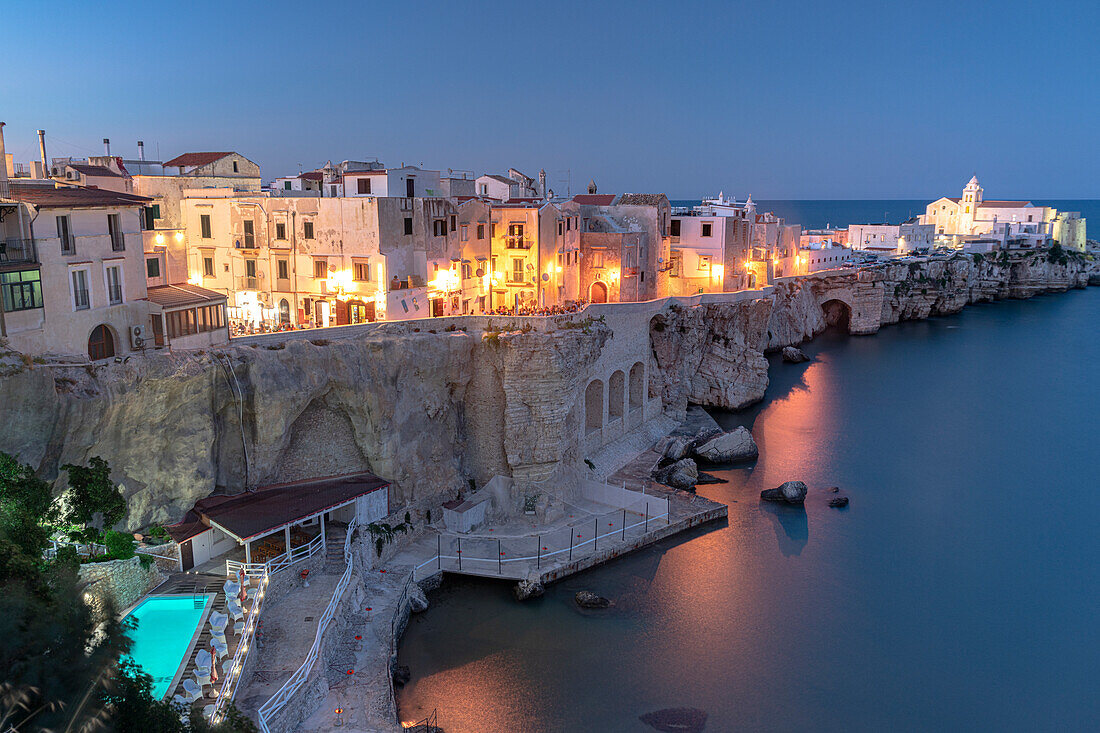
[
  {"x": 616, "y": 395},
  {"x": 593, "y": 406},
  {"x": 284, "y": 311},
  {"x": 101, "y": 343}
]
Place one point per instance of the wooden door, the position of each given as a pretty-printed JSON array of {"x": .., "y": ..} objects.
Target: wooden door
[{"x": 187, "y": 555}]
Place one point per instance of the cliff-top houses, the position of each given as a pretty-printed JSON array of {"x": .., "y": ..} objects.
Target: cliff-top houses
[{"x": 105, "y": 257}]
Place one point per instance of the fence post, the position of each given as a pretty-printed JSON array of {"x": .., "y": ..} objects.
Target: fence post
[
  {"x": 439, "y": 552},
  {"x": 500, "y": 559},
  {"x": 538, "y": 563},
  {"x": 571, "y": 531},
  {"x": 647, "y": 517},
  {"x": 624, "y": 525},
  {"x": 595, "y": 533},
  {"x": 459, "y": 553}
]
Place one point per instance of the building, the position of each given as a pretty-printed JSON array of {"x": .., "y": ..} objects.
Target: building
[
  {"x": 222, "y": 165},
  {"x": 892, "y": 238},
  {"x": 458, "y": 185},
  {"x": 1020, "y": 224},
  {"x": 513, "y": 186},
  {"x": 813, "y": 237},
  {"x": 822, "y": 256},
  {"x": 709, "y": 246},
  {"x": 407, "y": 181},
  {"x": 303, "y": 184},
  {"x": 525, "y": 239}
]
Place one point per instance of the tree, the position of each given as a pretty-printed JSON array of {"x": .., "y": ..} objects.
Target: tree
[
  {"x": 91, "y": 493},
  {"x": 25, "y": 507}
]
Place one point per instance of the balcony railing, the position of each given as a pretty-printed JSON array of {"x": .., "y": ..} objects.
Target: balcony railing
[
  {"x": 5, "y": 189},
  {"x": 514, "y": 242},
  {"x": 245, "y": 282},
  {"x": 18, "y": 251}
]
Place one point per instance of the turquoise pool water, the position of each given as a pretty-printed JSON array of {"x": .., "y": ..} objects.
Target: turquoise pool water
[{"x": 162, "y": 634}]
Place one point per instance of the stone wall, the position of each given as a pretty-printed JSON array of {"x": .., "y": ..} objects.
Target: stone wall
[{"x": 122, "y": 582}]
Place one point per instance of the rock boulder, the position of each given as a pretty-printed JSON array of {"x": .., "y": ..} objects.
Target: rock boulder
[
  {"x": 683, "y": 474},
  {"x": 676, "y": 720},
  {"x": 794, "y": 355},
  {"x": 588, "y": 599},
  {"x": 790, "y": 492},
  {"x": 678, "y": 447},
  {"x": 529, "y": 587},
  {"x": 736, "y": 445},
  {"x": 838, "y": 502}
]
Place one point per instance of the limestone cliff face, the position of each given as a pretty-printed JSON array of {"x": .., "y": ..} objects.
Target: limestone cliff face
[{"x": 433, "y": 411}]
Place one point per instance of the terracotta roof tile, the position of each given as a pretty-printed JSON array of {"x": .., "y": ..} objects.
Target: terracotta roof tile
[
  {"x": 72, "y": 197},
  {"x": 191, "y": 160}
]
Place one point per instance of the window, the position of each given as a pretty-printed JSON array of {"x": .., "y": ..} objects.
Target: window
[
  {"x": 149, "y": 215},
  {"x": 481, "y": 231},
  {"x": 65, "y": 234},
  {"x": 195, "y": 320},
  {"x": 283, "y": 269},
  {"x": 286, "y": 185},
  {"x": 439, "y": 227},
  {"x": 235, "y": 167},
  {"x": 21, "y": 290},
  {"x": 704, "y": 263},
  {"x": 363, "y": 185},
  {"x": 307, "y": 230},
  {"x": 81, "y": 299},
  {"x": 280, "y": 230},
  {"x": 467, "y": 272},
  {"x": 249, "y": 233},
  {"x": 515, "y": 231},
  {"x": 152, "y": 267},
  {"x": 517, "y": 270},
  {"x": 208, "y": 267},
  {"x": 597, "y": 259},
  {"x": 320, "y": 269},
  {"x": 362, "y": 271},
  {"x": 408, "y": 225},
  {"x": 114, "y": 229},
  {"x": 675, "y": 230},
  {"x": 483, "y": 188},
  {"x": 561, "y": 228},
  {"x": 204, "y": 225},
  {"x": 114, "y": 285},
  {"x": 454, "y": 220},
  {"x": 250, "y": 268},
  {"x": 707, "y": 226},
  {"x": 464, "y": 233},
  {"x": 569, "y": 224}
]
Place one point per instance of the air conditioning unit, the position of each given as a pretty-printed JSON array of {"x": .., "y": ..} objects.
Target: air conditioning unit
[{"x": 137, "y": 336}]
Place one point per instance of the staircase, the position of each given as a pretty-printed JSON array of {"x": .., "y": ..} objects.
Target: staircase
[{"x": 335, "y": 535}]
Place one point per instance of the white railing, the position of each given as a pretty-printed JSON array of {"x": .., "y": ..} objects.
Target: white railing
[
  {"x": 277, "y": 563},
  {"x": 233, "y": 676},
  {"x": 89, "y": 549},
  {"x": 478, "y": 550},
  {"x": 279, "y": 700}
]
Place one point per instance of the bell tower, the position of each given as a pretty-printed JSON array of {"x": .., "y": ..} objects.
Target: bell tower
[{"x": 968, "y": 207}]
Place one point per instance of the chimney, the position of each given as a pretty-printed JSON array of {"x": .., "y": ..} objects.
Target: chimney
[
  {"x": 542, "y": 183},
  {"x": 107, "y": 146},
  {"x": 141, "y": 150},
  {"x": 42, "y": 152}
]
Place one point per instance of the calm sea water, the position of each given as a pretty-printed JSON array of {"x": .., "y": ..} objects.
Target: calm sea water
[
  {"x": 959, "y": 591},
  {"x": 819, "y": 214}
]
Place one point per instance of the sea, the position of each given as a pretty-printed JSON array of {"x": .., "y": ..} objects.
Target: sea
[
  {"x": 822, "y": 214},
  {"x": 959, "y": 591}
]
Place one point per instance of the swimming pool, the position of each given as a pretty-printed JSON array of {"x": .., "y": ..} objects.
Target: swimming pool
[{"x": 165, "y": 628}]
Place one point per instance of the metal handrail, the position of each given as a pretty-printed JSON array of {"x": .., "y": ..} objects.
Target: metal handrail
[
  {"x": 233, "y": 676},
  {"x": 279, "y": 700},
  {"x": 277, "y": 563}
]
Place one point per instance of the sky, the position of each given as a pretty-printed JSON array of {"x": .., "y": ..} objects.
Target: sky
[{"x": 781, "y": 100}]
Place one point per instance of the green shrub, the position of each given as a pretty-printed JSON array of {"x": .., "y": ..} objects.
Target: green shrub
[{"x": 120, "y": 545}]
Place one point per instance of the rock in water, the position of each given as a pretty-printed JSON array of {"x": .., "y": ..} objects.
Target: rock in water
[
  {"x": 736, "y": 445},
  {"x": 680, "y": 475},
  {"x": 794, "y": 355},
  {"x": 838, "y": 501},
  {"x": 678, "y": 447},
  {"x": 588, "y": 599},
  {"x": 791, "y": 492},
  {"x": 529, "y": 587},
  {"x": 676, "y": 720}
]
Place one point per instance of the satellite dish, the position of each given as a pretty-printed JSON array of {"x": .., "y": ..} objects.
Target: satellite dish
[
  {"x": 545, "y": 277},
  {"x": 480, "y": 272}
]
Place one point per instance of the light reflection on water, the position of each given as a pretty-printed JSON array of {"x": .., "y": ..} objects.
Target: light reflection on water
[{"x": 957, "y": 592}]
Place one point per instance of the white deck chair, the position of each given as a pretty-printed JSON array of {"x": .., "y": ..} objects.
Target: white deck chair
[
  {"x": 203, "y": 659},
  {"x": 208, "y": 711},
  {"x": 191, "y": 687},
  {"x": 220, "y": 647},
  {"x": 218, "y": 620}
]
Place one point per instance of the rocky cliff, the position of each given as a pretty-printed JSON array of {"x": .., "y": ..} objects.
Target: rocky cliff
[{"x": 434, "y": 411}]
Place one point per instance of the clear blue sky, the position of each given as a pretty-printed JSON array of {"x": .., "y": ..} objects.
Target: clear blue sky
[{"x": 777, "y": 99}]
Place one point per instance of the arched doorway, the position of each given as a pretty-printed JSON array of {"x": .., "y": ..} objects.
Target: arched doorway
[
  {"x": 101, "y": 343},
  {"x": 616, "y": 387},
  {"x": 597, "y": 293},
  {"x": 284, "y": 312},
  {"x": 593, "y": 406},
  {"x": 838, "y": 314}
]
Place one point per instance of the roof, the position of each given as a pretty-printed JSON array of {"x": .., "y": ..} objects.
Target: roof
[
  {"x": 313, "y": 175},
  {"x": 1006, "y": 204},
  {"x": 256, "y": 513},
  {"x": 502, "y": 179},
  {"x": 594, "y": 199},
  {"x": 174, "y": 296},
  {"x": 192, "y": 160},
  {"x": 72, "y": 197},
  {"x": 642, "y": 199},
  {"x": 94, "y": 170}
]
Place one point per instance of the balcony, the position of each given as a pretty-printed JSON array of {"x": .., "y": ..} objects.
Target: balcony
[
  {"x": 244, "y": 282},
  {"x": 514, "y": 242},
  {"x": 18, "y": 252}
]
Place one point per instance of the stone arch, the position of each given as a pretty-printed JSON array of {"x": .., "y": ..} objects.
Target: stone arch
[
  {"x": 837, "y": 313},
  {"x": 593, "y": 406},
  {"x": 597, "y": 293},
  {"x": 102, "y": 342},
  {"x": 637, "y": 385},
  {"x": 616, "y": 395},
  {"x": 322, "y": 442}
]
